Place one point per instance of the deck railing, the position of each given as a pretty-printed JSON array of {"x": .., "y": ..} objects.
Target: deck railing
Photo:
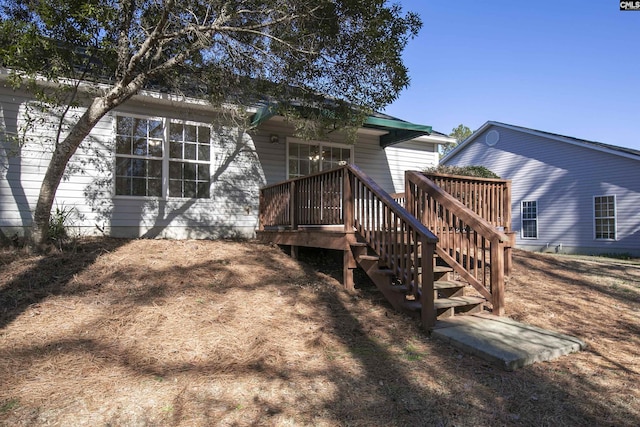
[
  {"x": 349, "y": 197},
  {"x": 474, "y": 247},
  {"x": 487, "y": 197}
]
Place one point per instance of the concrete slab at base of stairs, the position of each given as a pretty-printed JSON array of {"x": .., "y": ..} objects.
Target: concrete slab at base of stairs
[{"x": 504, "y": 341}]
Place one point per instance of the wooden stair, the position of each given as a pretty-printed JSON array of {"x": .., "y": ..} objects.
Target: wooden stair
[{"x": 449, "y": 294}]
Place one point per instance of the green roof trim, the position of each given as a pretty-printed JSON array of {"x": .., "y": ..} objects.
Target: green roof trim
[
  {"x": 396, "y": 124},
  {"x": 397, "y": 130},
  {"x": 263, "y": 114}
]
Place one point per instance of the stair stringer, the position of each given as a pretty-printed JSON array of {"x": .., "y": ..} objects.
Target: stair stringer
[{"x": 383, "y": 279}]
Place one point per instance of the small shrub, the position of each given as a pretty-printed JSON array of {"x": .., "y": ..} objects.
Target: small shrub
[
  {"x": 475, "y": 171},
  {"x": 58, "y": 223}
]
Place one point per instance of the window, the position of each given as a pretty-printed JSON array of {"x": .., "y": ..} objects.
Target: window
[
  {"x": 189, "y": 153},
  {"x": 307, "y": 158},
  {"x": 149, "y": 149},
  {"x": 605, "y": 217},
  {"x": 138, "y": 156},
  {"x": 529, "y": 211}
]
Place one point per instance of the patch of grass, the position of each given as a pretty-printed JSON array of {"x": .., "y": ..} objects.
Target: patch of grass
[
  {"x": 413, "y": 354},
  {"x": 8, "y": 405}
]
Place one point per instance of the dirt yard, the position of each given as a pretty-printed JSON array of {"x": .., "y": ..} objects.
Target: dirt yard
[{"x": 199, "y": 333}]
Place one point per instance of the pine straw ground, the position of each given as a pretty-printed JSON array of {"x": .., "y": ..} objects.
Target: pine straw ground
[{"x": 190, "y": 333}]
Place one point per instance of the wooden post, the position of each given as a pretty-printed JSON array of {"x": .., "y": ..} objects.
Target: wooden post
[
  {"x": 347, "y": 201},
  {"x": 507, "y": 207},
  {"x": 293, "y": 206},
  {"x": 497, "y": 277},
  {"x": 428, "y": 312},
  {"x": 261, "y": 208},
  {"x": 348, "y": 264},
  {"x": 409, "y": 196}
]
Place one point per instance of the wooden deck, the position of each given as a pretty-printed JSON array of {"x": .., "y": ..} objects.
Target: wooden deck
[{"x": 409, "y": 244}]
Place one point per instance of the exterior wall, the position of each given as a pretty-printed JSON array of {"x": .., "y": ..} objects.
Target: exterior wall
[
  {"x": 87, "y": 191},
  {"x": 385, "y": 166},
  {"x": 563, "y": 178},
  {"x": 241, "y": 163}
]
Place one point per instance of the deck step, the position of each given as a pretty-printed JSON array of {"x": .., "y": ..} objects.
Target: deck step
[
  {"x": 443, "y": 303},
  {"x": 448, "y": 284},
  {"x": 403, "y": 289},
  {"x": 359, "y": 244},
  {"x": 369, "y": 257}
]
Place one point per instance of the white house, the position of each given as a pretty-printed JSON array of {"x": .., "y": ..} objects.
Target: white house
[
  {"x": 169, "y": 166},
  {"x": 568, "y": 194}
]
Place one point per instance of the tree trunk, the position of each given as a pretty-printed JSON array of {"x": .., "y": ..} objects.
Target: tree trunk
[{"x": 61, "y": 155}]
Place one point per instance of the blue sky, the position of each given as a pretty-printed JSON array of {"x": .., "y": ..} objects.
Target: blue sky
[{"x": 569, "y": 67}]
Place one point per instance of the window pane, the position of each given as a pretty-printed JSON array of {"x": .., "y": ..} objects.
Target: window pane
[
  {"x": 203, "y": 172},
  {"x": 189, "y": 189},
  {"x": 175, "y": 170},
  {"x": 176, "y": 131},
  {"x": 189, "y": 171},
  {"x": 139, "y": 187},
  {"x": 304, "y": 167},
  {"x": 190, "y": 133},
  {"x": 123, "y": 186},
  {"x": 138, "y": 167},
  {"x": 155, "y": 187},
  {"x": 175, "y": 188},
  {"x": 189, "y": 151},
  {"x": 155, "y": 129},
  {"x": 124, "y": 125},
  {"x": 155, "y": 147},
  {"x": 303, "y": 152},
  {"x": 293, "y": 150},
  {"x": 293, "y": 168},
  {"x": 123, "y": 166},
  {"x": 140, "y": 127},
  {"x": 155, "y": 169},
  {"x": 203, "y": 152},
  {"x": 175, "y": 150},
  {"x": 345, "y": 155},
  {"x": 123, "y": 145},
  {"x": 204, "y": 134},
  {"x": 140, "y": 147},
  {"x": 203, "y": 190}
]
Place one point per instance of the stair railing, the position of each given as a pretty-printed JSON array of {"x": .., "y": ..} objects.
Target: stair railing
[
  {"x": 472, "y": 246},
  {"x": 347, "y": 196}
]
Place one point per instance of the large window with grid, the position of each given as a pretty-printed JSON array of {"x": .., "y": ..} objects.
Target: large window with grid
[
  {"x": 529, "y": 211},
  {"x": 160, "y": 157},
  {"x": 604, "y": 217},
  {"x": 305, "y": 158}
]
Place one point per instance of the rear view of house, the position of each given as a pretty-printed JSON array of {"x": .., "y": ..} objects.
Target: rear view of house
[
  {"x": 170, "y": 166},
  {"x": 568, "y": 194}
]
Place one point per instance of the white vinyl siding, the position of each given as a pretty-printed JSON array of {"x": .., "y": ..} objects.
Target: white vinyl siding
[
  {"x": 529, "y": 213},
  {"x": 604, "y": 208}
]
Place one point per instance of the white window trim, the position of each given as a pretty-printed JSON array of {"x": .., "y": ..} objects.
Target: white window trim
[
  {"x": 522, "y": 219},
  {"x": 615, "y": 218},
  {"x": 314, "y": 142},
  {"x": 165, "y": 155}
]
